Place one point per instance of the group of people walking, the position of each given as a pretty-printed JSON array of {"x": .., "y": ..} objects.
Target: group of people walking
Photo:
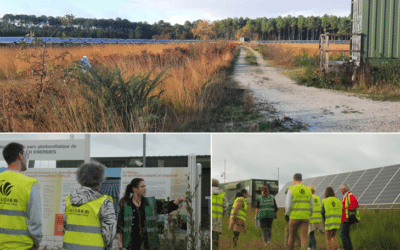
[
  {"x": 303, "y": 210},
  {"x": 89, "y": 219},
  {"x": 266, "y": 209}
]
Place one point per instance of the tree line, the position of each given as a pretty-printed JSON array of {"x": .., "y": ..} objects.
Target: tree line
[{"x": 280, "y": 28}]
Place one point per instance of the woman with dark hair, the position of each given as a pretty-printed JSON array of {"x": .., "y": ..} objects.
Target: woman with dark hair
[
  {"x": 138, "y": 215},
  {"x": 266, "y": 209},
  {"x": 237, "y": 221},
  {"x": 331, "y": 211}
]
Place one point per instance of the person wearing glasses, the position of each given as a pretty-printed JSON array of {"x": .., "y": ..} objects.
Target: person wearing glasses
[
  {"x": 138, "y": 216},
  {"x": 20, "y": 204}
]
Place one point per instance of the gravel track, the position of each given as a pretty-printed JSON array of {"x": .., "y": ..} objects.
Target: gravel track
[{"x": 319, "y": 110}]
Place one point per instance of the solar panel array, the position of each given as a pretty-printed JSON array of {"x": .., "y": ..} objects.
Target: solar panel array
[
  {"x": 375, "y": 186},
  {"x": 132, "y": 41},
  {"x": 90, "y": 40}
]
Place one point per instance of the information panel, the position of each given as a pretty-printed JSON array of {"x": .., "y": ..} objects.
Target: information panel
[
  {"x": 47, "y": 150},
  {"x": 54, "y": 186}
]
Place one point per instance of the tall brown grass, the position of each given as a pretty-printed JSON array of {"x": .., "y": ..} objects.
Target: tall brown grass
[{"x": 196, "y": 79}]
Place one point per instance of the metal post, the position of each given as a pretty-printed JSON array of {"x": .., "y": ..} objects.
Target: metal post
[
  {"x": 144, "y": 150},
  {"x": 224, "y": 171},
  {"x": 278, "y": 178},
  {"x": 327, "y": 53},
  {"x": 87, "y": 148}
]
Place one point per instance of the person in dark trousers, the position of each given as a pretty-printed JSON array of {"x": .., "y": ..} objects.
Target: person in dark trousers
[
  {"x": 138, "y": 215},
  {"x": 266, "y": 209},
  {"x": 219, "y": 205},
  {"x": 350, "y": 215}
]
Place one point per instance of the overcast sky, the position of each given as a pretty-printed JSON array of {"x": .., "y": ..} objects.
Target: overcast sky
[
  {"x": 175, "y": 11},
  {"x": 103, "y": 145},
  {"x": 258, "y": 156}
]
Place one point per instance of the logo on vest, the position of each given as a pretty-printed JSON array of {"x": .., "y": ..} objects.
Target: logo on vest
[
  {"x": 315, "y": 200},
  {"x": 5, "y": 188},
  {"x": 302, "y": 191},
  {"x": 333, "y": 204},
  {"x": 79, "y": 212}
]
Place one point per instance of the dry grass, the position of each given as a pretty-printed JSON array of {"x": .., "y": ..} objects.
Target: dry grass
[
  {"x": 196, "y": 73},
  {"x": 310, "y": 48}
]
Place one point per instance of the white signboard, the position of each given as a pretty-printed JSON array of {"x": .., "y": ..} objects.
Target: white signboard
[
  {"x": 47, "y": 150},
  {"x": 162, "y": 183},
  {"x": 54, "y": 186}
]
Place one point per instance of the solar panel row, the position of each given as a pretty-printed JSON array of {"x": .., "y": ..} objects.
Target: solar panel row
[
  {"x": 116, "y": 40},
  {"x": 371, "y": 187},
  {"x": 90, "y": 40}
]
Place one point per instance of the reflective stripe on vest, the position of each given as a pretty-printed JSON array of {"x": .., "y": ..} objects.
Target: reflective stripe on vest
[
  {"x": 301, "y": 206},
  {"x": 217, "y": 205},
  {"x": 333, "y": 213},
  {"x": 347, "y": 203},
  {"x": 316, "y": 217},
  {"x": 83, "y": 228},
  {"x": 242, "y": 211},
  {"x": 151, "y": 223},
  {"x": 267, "y": 208},
  {"x": 15, "y": 191}
]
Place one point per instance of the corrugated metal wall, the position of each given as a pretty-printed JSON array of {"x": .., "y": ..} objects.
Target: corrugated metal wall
[{"x": 379, "y": 21}]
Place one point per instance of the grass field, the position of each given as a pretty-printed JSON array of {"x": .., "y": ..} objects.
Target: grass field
[
  {"x": 181, "y": 83},
  {"x": 310, "y": 48},
  {"x": 301, "y": 62},
  {"x": 378, "y": 229}
]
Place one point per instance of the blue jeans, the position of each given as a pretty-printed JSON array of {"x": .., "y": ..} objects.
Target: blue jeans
[
  {"x": 345, "y": 236},
  {"x": 312, "y": 242}
]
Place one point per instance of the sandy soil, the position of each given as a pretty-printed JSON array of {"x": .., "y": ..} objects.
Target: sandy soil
[{"x": 320, "y": 110}]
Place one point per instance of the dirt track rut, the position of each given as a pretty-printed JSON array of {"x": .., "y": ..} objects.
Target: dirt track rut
[{"x": 320, "y": 110}]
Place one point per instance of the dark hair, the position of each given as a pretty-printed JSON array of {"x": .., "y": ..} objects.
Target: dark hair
[
  {"x": 238, "y": 194},
  {"x": 265, "y": 190},
  {"x": 298, "y": 177},
  {"x": 11, "y": 152},
  {"x": 329, "y": 192},
  {"x": 128, "y": 191}
]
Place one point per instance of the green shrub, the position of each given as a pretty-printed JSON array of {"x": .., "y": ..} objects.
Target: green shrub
[
  {"x": 307, "y": 60},
  {"x": 134, "y": 98},
  {"x": 387, "y": 71}
]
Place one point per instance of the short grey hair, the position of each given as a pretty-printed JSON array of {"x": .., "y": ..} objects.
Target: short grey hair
[
  {"x": 91, "y": 174},
  {"x": 215, "y": 183},
  {"x": 345, "y": 186}
]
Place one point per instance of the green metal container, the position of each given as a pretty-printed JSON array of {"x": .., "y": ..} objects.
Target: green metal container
[{"x": 379, "y": 23}]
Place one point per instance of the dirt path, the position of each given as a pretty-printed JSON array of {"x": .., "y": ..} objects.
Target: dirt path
[{"x": 320, "y": 110}]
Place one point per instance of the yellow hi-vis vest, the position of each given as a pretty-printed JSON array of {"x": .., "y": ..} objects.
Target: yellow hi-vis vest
[
  {"x": 347, "y": 203},
  {"x": 301, "y": 206},
  {"x": 83, "y": 229},
  {"x": 242, "y": 211},
  {"x": 333, "y": 213},
  {"x": 217, "y": 205},
  {"x": 15, "y": 189},
  {"x": 316, "y": 217}
]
